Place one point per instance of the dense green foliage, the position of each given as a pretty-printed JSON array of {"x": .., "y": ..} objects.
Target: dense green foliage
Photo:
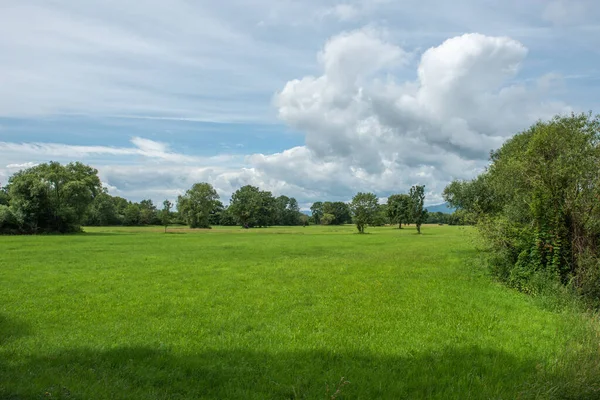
[
  {"x": 364, "y": 208},
  {"x": 48, "y": 198},
  {"x": 132, "y": 313},
  {"x": 399, "y": 206},
  {"x": 418, "y": 213},
  {"x": 538, "y": 206},
  {"x": 197, "y": 204}
]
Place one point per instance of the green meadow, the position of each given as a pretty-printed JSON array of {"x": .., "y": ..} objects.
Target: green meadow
[{"x": 278, "y": 313}]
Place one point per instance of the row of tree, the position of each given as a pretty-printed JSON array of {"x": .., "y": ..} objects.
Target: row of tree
[
  {"x": 61, "y": 198},
  {"x": 538, "y": 206},
  {"x": 56, "y": 198}
]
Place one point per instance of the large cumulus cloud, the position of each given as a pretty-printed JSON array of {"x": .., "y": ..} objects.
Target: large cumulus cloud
[{"x": 385, "y": 135}]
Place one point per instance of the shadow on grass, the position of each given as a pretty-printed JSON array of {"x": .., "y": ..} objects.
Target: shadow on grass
[
  {"x": 148, "y": 373},
  {"x": 12, "y": 329}
]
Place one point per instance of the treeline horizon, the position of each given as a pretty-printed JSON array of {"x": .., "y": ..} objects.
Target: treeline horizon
[{"x": 56, "y": 198}]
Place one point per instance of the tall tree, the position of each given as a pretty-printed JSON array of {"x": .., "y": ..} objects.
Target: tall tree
[
  {"x": 399, "y": 208},
  {"x": 317, "y": 212},
  {"x": 364, "y": 207},
  {"x": 418, "y": 212},
  {"x": 245, "y": 205},
  {"x": 196, "y": 205}
]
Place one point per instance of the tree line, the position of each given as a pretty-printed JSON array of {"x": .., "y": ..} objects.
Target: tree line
[
  {"x": 537, "y": 207},
  {"x": 59, "y": 198}
]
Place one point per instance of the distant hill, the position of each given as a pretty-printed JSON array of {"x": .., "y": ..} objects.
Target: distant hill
[{"x": 444, "y": 207}]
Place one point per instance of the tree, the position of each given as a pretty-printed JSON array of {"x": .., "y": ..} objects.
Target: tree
[
  {"x": 303, "y": 220},
  {"x": 265, "y": 213},
  {"x": 148, "y": 213},
  {"x": 133, "y": 215},
  {"x": 52, "y": 197},
  {"x": 364, "y": 207},
  {"x": 227, "y": 218},
  {"x": 399, "y": 209},
  {"x": 166, "y": 214},
  {"x": 417, "y": 212},
  {"x": 4, "y": 197},
  {"x": 537, "y": 205},
  {"x": 245, "y": 204},
  {"x": 317, "y": 212},
  {"x": 215, "y": 214},
  {"x": 196, "y": 205},
  {"x": 327, "y": 219},
  {"x": 381, "y": 216},
  {"x": 253, "y": 207},
  {"x": 102, "y": 211},
  {"x": 286, "y": 211},
  {"x": 340, "y": 210}
]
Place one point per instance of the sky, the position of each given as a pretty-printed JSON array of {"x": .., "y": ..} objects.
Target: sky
[{"x": 314, "y": 99}]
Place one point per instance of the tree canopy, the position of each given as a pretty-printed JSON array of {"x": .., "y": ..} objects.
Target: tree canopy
[
  {"x": 197, "y": 204},
  {"x": 364, "y": 207},
  {"x": 50, "y": 197}
]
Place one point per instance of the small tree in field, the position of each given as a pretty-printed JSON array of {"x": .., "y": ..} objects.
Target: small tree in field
[
  {"x": 364, "y": 209},
  {"x": 418, "y": 213},
  {"x": 166, "y": 213}
]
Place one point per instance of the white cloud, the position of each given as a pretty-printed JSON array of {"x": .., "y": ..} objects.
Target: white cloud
[{"x": 368, "y": 131}]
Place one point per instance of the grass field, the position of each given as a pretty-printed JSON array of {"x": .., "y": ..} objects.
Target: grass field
[{"x": 133, "y": 313}]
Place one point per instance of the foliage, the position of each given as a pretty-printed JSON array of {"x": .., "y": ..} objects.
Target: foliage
[
  {"x": 132, "y": 215},
  {"x": 166, "y": 213},
  {"x": 399, "y": 209},
  {"x": 316, "y": 210},
  {"x": 52, "y": 197},
  {"x": 197, "y": 204},
  {"x": 8, "y": 220},
  {"x": 340, "y": 210},
  {"x": 287, "y": 211},
  {"x": 381, "y": 216},
  {"x": 216, "y": 213},
  {"x": 459, "y": 217},
  {"x": 227, "y": 218},
  {"x": 4, "y": 196},
  {"x": 537, "y": 204},
  {"x": 364, "y": 207},
  {"x": 327, "y": 219},
  {"x": 418, "y": 214}
]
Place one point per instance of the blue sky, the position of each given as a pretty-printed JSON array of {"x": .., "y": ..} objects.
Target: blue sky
[{"x": 313, "y": 99}]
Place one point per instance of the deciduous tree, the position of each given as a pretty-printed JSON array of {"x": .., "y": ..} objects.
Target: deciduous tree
[{"x": 364, "y": 207}]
